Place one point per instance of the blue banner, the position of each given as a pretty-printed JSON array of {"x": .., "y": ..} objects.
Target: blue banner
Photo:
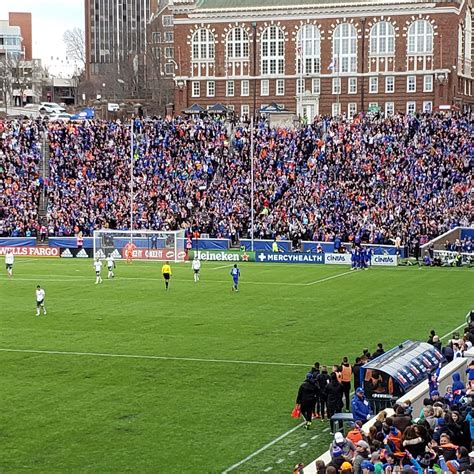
[
  {"x": 211, "y": 244},
  {"x": 286, "y": 257},
  {"x": 17, "y": 242}
]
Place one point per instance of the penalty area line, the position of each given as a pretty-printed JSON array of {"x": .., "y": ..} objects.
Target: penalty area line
[{"x": 152, "y": 357}]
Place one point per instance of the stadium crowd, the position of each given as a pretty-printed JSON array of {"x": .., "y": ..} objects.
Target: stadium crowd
[
  {"x": 20, "y": 180},
  {"x": 372, "y": 179},
  {"x": 438, "y": 439}
]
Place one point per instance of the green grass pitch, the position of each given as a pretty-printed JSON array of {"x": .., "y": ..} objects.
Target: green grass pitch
[{"x": 186, "y": 409}]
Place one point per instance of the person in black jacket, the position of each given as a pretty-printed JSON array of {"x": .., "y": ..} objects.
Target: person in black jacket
[
  {"x": 322, "y": 381},
  {"x": 356, "y": 372},
  {"x": 306, "y": 398},
  {"x": 334, "y": 396}
]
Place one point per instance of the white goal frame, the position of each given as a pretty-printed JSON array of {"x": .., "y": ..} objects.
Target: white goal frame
[{"x": 150, "y": 244}]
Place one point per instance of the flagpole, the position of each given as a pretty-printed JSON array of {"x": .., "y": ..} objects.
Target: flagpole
[
  {"x": 301, "y": 78},
  {"x": 339, "y": 82},
  {"x": 252, "y": 212},
  {"x": 131, "y": 180}
]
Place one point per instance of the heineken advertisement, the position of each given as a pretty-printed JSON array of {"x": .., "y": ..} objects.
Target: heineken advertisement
[{"x": 222, "y": 255}]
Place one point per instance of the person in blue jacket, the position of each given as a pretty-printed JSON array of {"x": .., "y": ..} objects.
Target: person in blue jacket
[{"x": 361, "y": 410}]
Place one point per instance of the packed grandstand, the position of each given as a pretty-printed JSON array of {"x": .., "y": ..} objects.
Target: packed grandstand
[{"x": 373, "y": 179}]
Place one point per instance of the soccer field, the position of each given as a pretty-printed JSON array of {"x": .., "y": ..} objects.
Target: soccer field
[{"x": 126, "y": 377}]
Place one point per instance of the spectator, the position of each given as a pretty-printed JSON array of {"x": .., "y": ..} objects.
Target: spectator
[
  {"x": 334, "y": 393},
  {"x": 346, "y": 377},
  {"x": 361, "y": 410}
]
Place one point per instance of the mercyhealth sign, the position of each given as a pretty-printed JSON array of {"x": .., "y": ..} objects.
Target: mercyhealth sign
[{"x": 283, "y": 257}]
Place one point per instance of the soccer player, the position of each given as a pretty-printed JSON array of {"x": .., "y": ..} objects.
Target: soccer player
[
  {"x": 235, "y": 273},
  {"x": 166, "y": 271},
  {"x": 98, "y": 269},
  {"x": 129, "y": 248},
  {"x": 196, "y": 268},
  {"x": 9, "y": 260},
  {"x": 110, "y": 266},
  {"x": 40, "y": 294}
]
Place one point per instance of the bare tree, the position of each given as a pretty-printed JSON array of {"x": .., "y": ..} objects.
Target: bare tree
[{"x": 75, "y": 45}]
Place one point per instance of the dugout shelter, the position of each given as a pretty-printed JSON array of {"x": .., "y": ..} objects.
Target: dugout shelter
[{"x": 397, "y": 371}]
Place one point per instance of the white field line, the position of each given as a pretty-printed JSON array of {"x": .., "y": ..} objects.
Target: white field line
[
  {"x": 331, "y": 277},
  {"x": 220, "y": 266},
  {"x": 118, "y": 278},
  {"x": 263, "y": 448},
  {"x": 132, "y": 356}
]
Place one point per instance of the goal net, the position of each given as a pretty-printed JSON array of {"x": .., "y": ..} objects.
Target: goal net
[{"x": 147, "y": 244}]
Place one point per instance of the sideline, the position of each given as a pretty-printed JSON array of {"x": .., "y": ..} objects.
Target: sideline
[
  {"x": 284, "y": 435},
  {"x": 132, "y": 356}
]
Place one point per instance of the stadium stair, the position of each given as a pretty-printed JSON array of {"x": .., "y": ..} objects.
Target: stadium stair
[{"x": 44, "y": 173}]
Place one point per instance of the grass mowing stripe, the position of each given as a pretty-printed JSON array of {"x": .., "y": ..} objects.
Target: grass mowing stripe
[{"x": 132, "y": 356}]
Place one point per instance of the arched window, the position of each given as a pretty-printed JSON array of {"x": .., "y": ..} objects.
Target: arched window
[
  {"x": 273, "y": 51},
  {"x": 203, "y": 43},
  {"x": 420, "y": 37},
  {"x": 237, "y": 44},
  {"x": 345, "y": 48},
  {"x": 382, "y": 39},
  {"x": 468, "y": 43},
  {"x": 308, "y": 49}
]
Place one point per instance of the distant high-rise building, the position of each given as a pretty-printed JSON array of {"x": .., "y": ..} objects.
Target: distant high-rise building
[
  {"x": 10, "y": 41},
  {"x": 116, "y": 33},
  {"x": 23, "y": 20}
]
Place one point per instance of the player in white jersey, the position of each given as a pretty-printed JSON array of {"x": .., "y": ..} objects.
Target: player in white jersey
[
  {"x": 40, "y": 294},
  {"x": 110, "y": 266},
  {"x": 9, "y": 260},
  {"x": 196, "y": 268},
  {"x": 98, "y": 269}
]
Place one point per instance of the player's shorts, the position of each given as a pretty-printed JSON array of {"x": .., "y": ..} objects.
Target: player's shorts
[
  {"x": 9, "y": 266},
  {"x": 196, "y": 271},
  {"x": 110, "y": 268},
  {"x": 39, "y": 303},
  {"x": 97, "y": 273},
  {"x": 129, "y": 254},
  {"x": 166, "y": 276}
]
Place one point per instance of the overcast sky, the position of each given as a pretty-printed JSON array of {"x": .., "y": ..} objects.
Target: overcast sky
[{"x": 50, "y": 19}]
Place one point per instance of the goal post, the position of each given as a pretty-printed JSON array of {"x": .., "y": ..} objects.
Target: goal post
[{"x": 159, "y": 245}]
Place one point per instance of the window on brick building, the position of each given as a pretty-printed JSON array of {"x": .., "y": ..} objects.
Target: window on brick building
[
  {"x": 280, "y": 87},
  {"x": 169, "y": 68},
  {"x": 373, "y": 85},
  {"x": 336, "y": 109},
  {"x": 351, "y": 109},
  {"x": 411, "y": 107},
  {"x": 300, "y": 86},
  {"x": 428, "y": 83},
  {"x": 245, "y": 110},
  {"x": 169, "y": 36},
  {"x": 229, "y": 88},
  {"x": 244, "y": 88},
  {"x": 382, "y": 39},
  {"x": 237, "y": 44},
  {"x": 265, "y": 87},
  {"x": 308, "y": 50},
  {"x": 196, "y": 89},
  {"x": 468, "y": 43},
  {"x": 203, "y": 52},
  {"x": 411, "y": 84},
  {"x": 336, "y": 85},
  {"x": 211, "y": 88},
  {"x": 167, "y": 20},
  {"x": 389, "y": 108},
  {"x": 272, "y": 51},
  {"x": 420, "y": 37},
  {"x": 352, "y": 85},
  {"x": 156, "y": 37},
  {"x": 389, "y": 84},
  {"x": 316, "y": 86},
  {"x": 345, "y": 48},
  {"x": 428, "y": 106}
]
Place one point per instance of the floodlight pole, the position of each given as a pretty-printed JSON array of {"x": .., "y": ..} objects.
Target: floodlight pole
[
  {"x": 131, "y": 181},
  {"x": 252, "y": 216}
]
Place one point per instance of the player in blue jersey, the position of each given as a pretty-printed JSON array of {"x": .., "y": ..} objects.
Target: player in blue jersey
[
  {"x": 353, "y": 258},
  {"x": 363, "y": 258},
  {"x": 235, "y": 273}
]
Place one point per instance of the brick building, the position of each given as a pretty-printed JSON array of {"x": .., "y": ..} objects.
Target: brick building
[
  {"x": 324, "y": 56},
  {"x": 23, "y": 20}
]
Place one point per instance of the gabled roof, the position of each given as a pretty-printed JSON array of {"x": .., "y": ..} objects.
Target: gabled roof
[{"x": 194, "y": 109}]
